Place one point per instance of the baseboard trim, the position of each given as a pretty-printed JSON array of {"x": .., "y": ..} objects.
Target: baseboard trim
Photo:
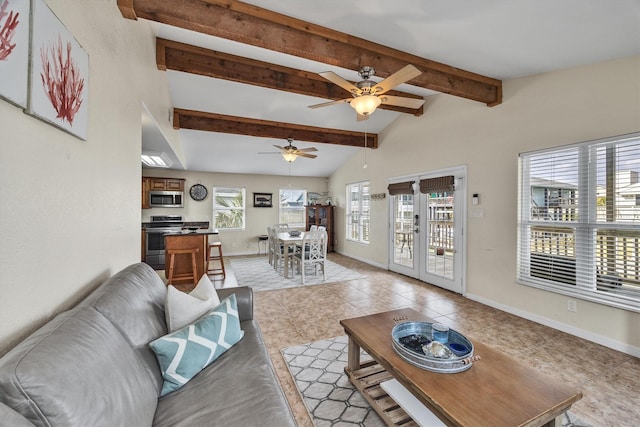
[
  {"x": 581, "y": 333},
  {"x": 365, "y": 260}
]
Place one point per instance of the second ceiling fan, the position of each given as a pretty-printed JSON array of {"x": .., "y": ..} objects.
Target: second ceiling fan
[
  {"x": 367, "y": 95},
  {"x": 291, "y": 152}
]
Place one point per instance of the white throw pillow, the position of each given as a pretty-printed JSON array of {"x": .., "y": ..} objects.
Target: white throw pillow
[{"x": 182, "y": 309}]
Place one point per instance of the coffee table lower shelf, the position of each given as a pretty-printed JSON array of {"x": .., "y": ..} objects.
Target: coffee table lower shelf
[{"x": 367, "y": 381}]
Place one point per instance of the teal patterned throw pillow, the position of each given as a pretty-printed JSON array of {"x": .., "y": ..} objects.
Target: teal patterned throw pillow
[{"x": 187, "y": 351}]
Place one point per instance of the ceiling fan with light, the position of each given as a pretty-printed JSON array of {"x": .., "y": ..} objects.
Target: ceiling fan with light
[
  {"x": 291, "y": 152},
  {"x": 367, "y": 95}
]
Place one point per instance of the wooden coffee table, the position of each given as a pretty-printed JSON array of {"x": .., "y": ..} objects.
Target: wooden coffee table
[{"x": 498, "y": 390}]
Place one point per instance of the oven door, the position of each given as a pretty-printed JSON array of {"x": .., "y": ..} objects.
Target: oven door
[{"x": 154, "y": 250}]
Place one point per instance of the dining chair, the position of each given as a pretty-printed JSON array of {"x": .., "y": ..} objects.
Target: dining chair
[
  {"x": 281, "y": 228},
  {"x": 313, "y": 227},
  {"x": 270, "y": 246},
  {"x": 277, "y": 250},
  {"x": 313, "y": 252}
]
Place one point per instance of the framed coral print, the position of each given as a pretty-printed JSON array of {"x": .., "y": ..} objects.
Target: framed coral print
[
  {"x": 59, "y": 77},
  {"x": 14, "y": 50}
]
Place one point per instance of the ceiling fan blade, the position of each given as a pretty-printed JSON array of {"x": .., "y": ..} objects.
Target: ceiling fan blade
[
  {"x": 308, "y": 149},
  {"x": 280, "y": 148},
  {"x": 334, "y": 78},
  {"x": 309, "y": 156},
  {"x": 403, "y": 75},
  {"x": 326, "y": 104},
  {"x": 399, "y": 101},
  {"x": 362, "y": 117}
]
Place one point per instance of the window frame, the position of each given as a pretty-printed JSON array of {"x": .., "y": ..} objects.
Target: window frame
[
  {"x": 281, "y": 220},
  {"x": 580, "y": 273},
  {"x": 362, "y": 220},
  {"x": 216, "y": 208}
]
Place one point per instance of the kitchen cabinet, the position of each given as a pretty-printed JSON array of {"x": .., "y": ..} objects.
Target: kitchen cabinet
[
  {"x": 166, "y": 184},
  {"x": 187, "y": 240},
  {"x": 322, "y": 215},
  {"x": 145, "y": 193}
]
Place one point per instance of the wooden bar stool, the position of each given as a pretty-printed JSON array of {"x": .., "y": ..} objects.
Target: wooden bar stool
[
  {"x": 193, "y": 275},
  {"x": 212, "y": 258}
]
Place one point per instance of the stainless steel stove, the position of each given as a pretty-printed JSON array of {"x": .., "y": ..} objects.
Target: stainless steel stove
[{"x": 155, "y": 231}]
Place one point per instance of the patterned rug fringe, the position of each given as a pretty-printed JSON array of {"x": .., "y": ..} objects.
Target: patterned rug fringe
[{"x": 261, "y": 276}]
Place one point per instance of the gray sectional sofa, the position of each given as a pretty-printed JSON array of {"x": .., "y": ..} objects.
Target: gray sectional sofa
[{"x": 92, "y": 366}]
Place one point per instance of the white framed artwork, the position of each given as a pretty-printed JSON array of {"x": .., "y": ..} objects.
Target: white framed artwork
[
  {"x": 14, "y": 50},
  {"x": 59, "y": 76}
]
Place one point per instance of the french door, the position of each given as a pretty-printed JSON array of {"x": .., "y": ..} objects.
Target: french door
[{"x": 427, "y": 223}]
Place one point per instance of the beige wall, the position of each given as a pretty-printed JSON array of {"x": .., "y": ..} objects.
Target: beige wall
[
  {"x": 547, "y": 110},
  {"x": 257, "y": 219},
  {"x": 70, "y": 210}
]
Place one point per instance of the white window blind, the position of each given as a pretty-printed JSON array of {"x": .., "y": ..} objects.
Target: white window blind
[
  {"x": 358, "y": 212},
  {"x": 579, "y": 223}
]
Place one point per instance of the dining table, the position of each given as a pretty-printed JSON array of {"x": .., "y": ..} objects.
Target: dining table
[{"x": 287, "y": 241}]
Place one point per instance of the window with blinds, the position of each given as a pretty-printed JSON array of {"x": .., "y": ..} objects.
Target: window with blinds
[
  {"x": 358, "y": 211},
  {"x": 579, "y": 221}
]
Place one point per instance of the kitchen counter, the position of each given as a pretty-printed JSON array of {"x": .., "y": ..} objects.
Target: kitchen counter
[
  {"x": 188, "y": 240},
  {"x": 200, "y": 231}
]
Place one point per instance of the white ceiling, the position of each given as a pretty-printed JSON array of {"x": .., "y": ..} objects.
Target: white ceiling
[{"x": 503, "y": 39}]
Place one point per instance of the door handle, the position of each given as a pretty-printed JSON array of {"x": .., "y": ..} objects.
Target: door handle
[{"x": 416, "y": 230}]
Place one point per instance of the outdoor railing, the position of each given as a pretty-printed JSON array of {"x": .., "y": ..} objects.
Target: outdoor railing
[{"x": 616, "y": 254}]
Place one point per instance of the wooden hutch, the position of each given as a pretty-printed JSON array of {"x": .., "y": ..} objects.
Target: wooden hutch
[{"x": 322, "y": 215}]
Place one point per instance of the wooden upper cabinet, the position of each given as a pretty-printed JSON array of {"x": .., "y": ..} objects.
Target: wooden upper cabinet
[
  {"x": 145, "y": 193},
  {"x": 166, "y": 184},
  {"x": 174, "y": 184}
]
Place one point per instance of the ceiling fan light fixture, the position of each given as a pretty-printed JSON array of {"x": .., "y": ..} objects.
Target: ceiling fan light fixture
[
  {"x": 365, "y": 104},
  {"x": 289, "y": 156}
]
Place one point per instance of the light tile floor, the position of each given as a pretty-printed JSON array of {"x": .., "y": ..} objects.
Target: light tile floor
[{"x": 609, "y": 380}]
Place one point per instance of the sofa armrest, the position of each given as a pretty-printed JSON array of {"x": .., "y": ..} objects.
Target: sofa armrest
[{"x": 244, "y": 296}]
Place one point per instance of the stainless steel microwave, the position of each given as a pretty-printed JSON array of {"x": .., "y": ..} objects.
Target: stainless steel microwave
[{"x": 166, "y": 199}]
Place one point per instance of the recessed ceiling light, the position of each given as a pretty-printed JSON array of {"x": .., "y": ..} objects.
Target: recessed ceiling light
[{"x": 156, "y": 160}]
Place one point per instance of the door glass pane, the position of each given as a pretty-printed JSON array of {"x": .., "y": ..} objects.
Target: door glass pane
[
  {"x": 403, "y": 229},
  {"x": 440, "y": 250}
]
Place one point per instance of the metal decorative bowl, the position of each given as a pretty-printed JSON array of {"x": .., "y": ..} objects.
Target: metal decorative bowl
[
  {"x": 409, "y": 337},
  {"x": 294, "y": 233}
]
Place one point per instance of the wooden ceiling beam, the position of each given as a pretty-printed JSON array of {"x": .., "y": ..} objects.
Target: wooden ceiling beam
[
  {"x": 212, "y": 122},
  {"x": 171, "y": 55},
  {"x": 249, "y": 24}
]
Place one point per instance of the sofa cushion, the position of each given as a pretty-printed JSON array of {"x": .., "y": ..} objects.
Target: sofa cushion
[
  {"x": 78, "y": 370},
  {"x": 184, "y": 353},
  {"x": 9, "y": 417},
  {"x": 182, "y": 309},
  {"x": 133, "y": 300},
  {"x": 239, "y": 389}
]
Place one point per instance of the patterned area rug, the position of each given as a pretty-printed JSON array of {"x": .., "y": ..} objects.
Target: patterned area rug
[
  {"x": 260, "y": 275},
  {"x": 318, "y": 371}
]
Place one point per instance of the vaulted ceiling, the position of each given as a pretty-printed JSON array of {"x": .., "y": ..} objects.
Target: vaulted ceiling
[{"x": 241, "y": 75}]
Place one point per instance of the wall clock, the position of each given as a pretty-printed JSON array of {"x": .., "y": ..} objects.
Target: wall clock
[{"x": 198, "y": 192}]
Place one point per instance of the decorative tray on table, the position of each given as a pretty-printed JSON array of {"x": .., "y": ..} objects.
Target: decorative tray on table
[{"x": 413, "y": 342}]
